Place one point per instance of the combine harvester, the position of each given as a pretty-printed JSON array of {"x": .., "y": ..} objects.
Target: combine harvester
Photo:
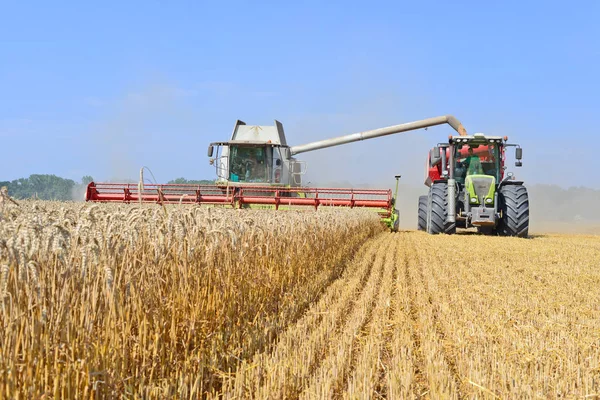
[{"x": 257, "y": 168}]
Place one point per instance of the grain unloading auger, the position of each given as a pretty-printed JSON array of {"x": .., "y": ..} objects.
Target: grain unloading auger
[{"x": 257, "y": 168}]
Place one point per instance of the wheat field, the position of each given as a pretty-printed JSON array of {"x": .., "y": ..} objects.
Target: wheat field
[{"x": 186, "y": 302}]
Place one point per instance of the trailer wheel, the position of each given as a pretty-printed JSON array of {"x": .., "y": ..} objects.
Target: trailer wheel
[
  {"x": 437, "y": 210},
  {"x": 422, "y": 217},
  {"x": 514, "y": 205}
]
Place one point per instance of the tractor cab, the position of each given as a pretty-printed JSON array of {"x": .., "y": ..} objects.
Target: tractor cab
[
  {"x": 477, "y": 159},
  {"x": 256, "y": 156},
  {"x": 477, "y": 163}
]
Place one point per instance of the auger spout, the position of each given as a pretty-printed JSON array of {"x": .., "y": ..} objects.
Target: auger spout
[{"x": 390, "y": 130}]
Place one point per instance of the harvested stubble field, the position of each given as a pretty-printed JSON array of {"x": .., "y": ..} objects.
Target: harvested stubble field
[{"x": 120, "y": 301}]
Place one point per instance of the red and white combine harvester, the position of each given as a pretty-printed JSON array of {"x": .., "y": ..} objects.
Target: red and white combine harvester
[{"x": 257, "y": 168}]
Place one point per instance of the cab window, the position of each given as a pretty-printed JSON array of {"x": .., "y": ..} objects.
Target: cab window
[
  {"x": 476, "y": 160},
  {"x": 248, "y": 164}
]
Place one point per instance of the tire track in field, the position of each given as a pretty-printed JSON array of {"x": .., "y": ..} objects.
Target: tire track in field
[
  {"x": 286, "y": 370},
  {"x": 382, "y": 387},
  {"x": 420, "y": 384},
  {"x": 437, "y": 336},
  {"x": 325, "y": 381},
  {"x": 403, "y": 374},
  {"x": 367, "y": 366}
]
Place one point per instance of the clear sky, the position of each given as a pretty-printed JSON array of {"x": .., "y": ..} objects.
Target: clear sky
[{"x": 103, "y": 88}]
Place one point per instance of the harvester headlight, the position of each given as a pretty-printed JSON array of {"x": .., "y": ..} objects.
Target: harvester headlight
[
  {"x": 488, "y": 200},
  {"x": 473, "y": 199}
]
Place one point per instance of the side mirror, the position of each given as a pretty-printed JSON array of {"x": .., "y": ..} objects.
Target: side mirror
[
  {"x": 210, "y": 151},
  {"x": 518, "y": 156}
]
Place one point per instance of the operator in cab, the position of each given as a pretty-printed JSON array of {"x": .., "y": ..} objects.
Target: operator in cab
[
  {"x": 473, "y": 164},
  {"x": 249, "y": 164},
  {"x": 256, "y": 167}
]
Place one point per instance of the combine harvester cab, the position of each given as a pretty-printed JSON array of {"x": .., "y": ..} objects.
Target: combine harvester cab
[
  {"x": 256, "y": 156},
  {"x": 257, "y": 168},
  {"x": 468, "y": 188}
]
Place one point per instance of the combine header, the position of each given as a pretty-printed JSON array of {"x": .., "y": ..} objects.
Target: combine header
[
  {"x": 249, "y": 197},
  {"x": 257, "y": 169},
  {"x": 239, "y": 197}
]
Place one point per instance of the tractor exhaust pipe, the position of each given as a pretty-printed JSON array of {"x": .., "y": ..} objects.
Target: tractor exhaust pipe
[
  {"x": 451, "y": 200},
  {"x": 355, "y": 137},
  {"x": 451, "y": 189}
]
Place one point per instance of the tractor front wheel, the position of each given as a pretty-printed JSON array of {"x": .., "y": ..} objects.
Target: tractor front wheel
[
  {"x": 437, "y": 210},
  {"x": 422, "y": 220},
  {"x": 514, "y": 205}
]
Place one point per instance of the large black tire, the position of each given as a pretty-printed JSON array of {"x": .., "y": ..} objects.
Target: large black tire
[
  {"x": 437, "y": 210},
  {"x": 514, "y": 206},
  {"x": 422, "y": 220}
]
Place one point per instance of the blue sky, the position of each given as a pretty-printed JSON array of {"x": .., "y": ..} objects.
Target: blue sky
[{"x": 103, "y": 89}]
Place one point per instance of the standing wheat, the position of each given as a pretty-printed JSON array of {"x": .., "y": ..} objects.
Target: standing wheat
[{"x": 4, "y": 269}]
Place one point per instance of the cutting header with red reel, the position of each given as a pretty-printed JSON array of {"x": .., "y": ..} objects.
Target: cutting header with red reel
[{"x": 239, "y": 196}]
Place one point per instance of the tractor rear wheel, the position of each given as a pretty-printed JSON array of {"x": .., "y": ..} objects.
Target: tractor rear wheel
[
  {"x": 514, "y": 205},
  {"x": 437, "y": 210},
  {"x": 422, "y": 220}
]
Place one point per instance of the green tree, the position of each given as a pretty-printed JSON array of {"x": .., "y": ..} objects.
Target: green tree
[
  {"x": 191, "y": 181},
  {"x": 86, "y": 180},
  {"x": 44, "y": 187}
]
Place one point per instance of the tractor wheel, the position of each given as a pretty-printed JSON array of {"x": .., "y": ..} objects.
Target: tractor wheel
[
  {"x": 422, "y": 220},
  {"x": 514, "y": 205},
  {"x": 437, "y": 210}
]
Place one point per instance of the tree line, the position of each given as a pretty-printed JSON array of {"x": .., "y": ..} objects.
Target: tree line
[{"x": 52, "y": 187}]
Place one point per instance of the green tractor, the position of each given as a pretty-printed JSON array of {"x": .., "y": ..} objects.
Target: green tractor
[{"x": 468, "y": 188}]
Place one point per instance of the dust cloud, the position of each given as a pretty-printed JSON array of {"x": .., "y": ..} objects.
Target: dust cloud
[
  {"x": 135, "y": 131},
  {"x": 78, "y": 193}
]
